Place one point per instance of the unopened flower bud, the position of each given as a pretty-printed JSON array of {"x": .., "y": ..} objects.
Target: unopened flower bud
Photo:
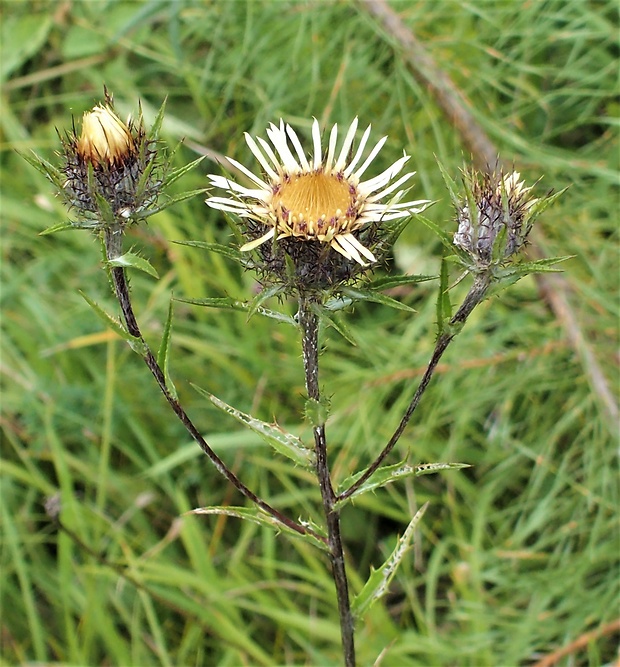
[
  {"x": 494, "y": 217},
  {"x": 105, "y": 139},
  {"x": 109, "y": 168}
]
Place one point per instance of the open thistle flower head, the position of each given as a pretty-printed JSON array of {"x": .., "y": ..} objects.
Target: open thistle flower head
[
  {"x": 495, "y": 217},
  {"x": 108, "y": 168},
  {"x": 316, "y": 210}
]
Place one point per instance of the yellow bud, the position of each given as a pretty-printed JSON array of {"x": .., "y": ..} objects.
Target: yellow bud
[{"x": 105, "y": 138}]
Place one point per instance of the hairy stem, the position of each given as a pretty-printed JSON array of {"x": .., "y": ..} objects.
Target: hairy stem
[
  {"x": 113, "y": 245},
  {"x": 309, "y": 323},
  {"x": 473, "y": 298}
]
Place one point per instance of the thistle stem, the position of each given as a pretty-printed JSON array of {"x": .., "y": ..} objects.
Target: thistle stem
[
  {"x": 113, "y": 246},
  {"x": 309, "y": 323},
  {"x": 474, "y": 297}
]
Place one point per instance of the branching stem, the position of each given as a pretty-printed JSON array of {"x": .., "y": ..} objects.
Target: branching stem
[
  {"x": 113, "y": 246},
  {"x": 473, "y": 298},
  {"x": 309, "y": 323}
]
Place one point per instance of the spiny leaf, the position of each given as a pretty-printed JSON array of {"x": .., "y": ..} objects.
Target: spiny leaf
[
  {"x": 147, "y": 213},
  {"x": 332, "y": 321},
  {"x": 163, "y": 353},
  {"x": 131, "y": 260},
  {"x": 58, "y": 227},
  {"x": 387, "y": 282},
  {"x": 316, "y": 412},
  {"x": 369, "y": 295},
  {"x": 511, "y": 274},
  {"x": 157, "y": 123},
  {"x": 46, "y": 168},
  {"x": 234, "y": 304},
  {"x": 444, "y": 306},
  {"x": 450, "y": 184},
  {"x": 136, "y": 344},
  {"x": 444, "y": 236},
  {"x": 284, "y": 443},
  {"x": 263, "y": 296},
  {"x": 181, "y": 171},
  {"x": 380, "y": 579},
  {"x": 219, "y": 248},
  {"x": 257, "y": 515},
  {"x": 544, "y": 202},
  {"x": 392, "y": 473}
]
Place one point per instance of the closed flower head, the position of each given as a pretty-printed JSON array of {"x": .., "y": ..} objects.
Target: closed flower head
[
  {"x": 309, "y": 206},
  {"x": 494, "y": 218},
  {"x": 105, "y": 139},
  {"x": 109, "y": 168}
]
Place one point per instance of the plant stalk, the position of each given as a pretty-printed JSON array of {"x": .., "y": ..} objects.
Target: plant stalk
[
  {"x": 113, "y": 248},
  {"x": 473, "y": 298},
  {"x": 309, "y": 323}
]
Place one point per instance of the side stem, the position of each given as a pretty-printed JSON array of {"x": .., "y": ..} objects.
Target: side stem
[
  {"x": 309, "y": 323},
  {"x": 113, "y": 245},
  {"x": 473, "y": 298}
]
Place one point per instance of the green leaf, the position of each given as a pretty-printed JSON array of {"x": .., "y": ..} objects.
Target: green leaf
[
  {"x": 46, "y": 168},
  {"x": 316, "y": 412},
  {"x": 444, "y": 236},
  {"x": 444, "y": 306},
  {"x": 453, "y": 189},
  {"x": 511, "y": 274},
  {"x": 260, "y": 298},
  {"x": 337, "y": 303},
  {"x": 233, "y": 304},
  {"x": 259, "y": 516},
  {"x": 388, "y": 474},
  {"x": 136, "y": 344},
  {"x": 58, "y": 227},
  {"x": 226, "y": 250},
  {"x": 147, "y": 213},
  {"x": 130, "y": 260},
  {"x": 157, "y": 123},
  {"x": 396, "y": 227},
  {"x": 284, "y": 443},
  {"x": 332, "y": 321},
  {"x": 181, "y": 171},
  {"x": 380, "y": 579},
  {"x": 163, "y": 353},
  {"x": 539, "y": 206},
  {"x": 369, "y": 295},
  {"x": 387, "y": 282}
]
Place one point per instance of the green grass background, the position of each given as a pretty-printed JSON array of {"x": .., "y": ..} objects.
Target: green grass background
[{"x": 516, "y": 557}]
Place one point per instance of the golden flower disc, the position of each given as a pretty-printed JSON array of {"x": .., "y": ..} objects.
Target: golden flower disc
[{"x": 314, "y": 203}]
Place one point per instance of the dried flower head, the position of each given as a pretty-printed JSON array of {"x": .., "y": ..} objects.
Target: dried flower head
[
  {"x": 109, "y": 167},
  {"x": 309, "y": 206},
  {"x": 494, "y": 219}
]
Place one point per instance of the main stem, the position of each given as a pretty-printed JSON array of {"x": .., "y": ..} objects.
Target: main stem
[
  {"x": 309, "y": 323},
  {"x": 113, "y": 246}
]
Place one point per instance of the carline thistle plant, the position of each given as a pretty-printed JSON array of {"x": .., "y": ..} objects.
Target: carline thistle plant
[{"x": 312, "y": 227}]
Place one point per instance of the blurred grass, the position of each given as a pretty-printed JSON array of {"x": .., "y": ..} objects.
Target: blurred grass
[{"x": 517, "y": 557}]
